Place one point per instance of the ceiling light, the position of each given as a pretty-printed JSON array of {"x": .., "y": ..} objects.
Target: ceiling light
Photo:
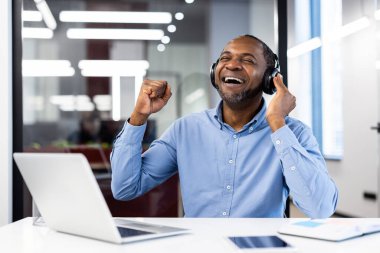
[
  {"x": 62, "y": 99},
  {"x": 116, "y": 17},
  {"x": 109, "y": 72},
  {"x": 115, "y": 64},
  {"x": 103, "y": 102},
  {"x": 172, "y": 28},
  {"x": 115, "y": 34},
  {"x": 47, "y": 68},
  {"x": 165, "y": 40},
  {"x": 36, "y": 33},
  {"x": 32, "y": 16},
  {"x": 304, "y": 47},
  {"x": 72, "y": 103},
  {"x": 88, "y": 107},
  {"x": 110, "y": 68},
  {"x": 179, "y": 16},
  {"x": 189, "y": 1},
  {"x": 161, "y": 47},
  {"x": 46, "y": 14}
]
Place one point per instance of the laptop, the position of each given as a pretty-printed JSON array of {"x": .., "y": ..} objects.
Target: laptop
[{"x": 69, "y": 199}]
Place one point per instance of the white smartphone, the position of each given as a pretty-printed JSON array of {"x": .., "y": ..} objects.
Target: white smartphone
[{"x": 269, "y": 243}]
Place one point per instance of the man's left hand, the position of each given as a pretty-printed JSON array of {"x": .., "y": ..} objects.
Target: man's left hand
[{"x": 283, "y": 102}]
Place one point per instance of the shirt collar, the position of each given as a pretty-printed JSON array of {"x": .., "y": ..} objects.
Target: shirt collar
[{"x": 254, "y": 122}]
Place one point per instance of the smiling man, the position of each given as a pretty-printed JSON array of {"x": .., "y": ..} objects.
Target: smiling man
[{"x": 240, "y": 159}]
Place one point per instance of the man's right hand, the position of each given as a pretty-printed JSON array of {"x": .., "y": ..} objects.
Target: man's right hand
[{"x": 153, "y": 96}]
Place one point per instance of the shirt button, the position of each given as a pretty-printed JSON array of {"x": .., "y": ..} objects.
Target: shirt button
[
  {"x": 228, "y": 187},
  {"x": 250, "y": 129},
  {"x": 278, "y": 142},
  {"x": 224, "y": 213},
  {"x": 234, "y": 136},
  {"x": 231, "y": 161},
  {"x": 292, "y": 168}
]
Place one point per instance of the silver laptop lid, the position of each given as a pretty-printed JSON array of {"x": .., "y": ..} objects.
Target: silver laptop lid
[{"x": 67, "y": 194}]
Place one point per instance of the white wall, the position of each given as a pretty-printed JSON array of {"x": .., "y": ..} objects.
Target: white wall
[
  {"x": 5, "y": 112},
  {"x": 357, "y": 172}
]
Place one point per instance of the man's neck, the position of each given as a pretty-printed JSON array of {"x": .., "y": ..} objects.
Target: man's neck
[{"x": 238, "y": 116}]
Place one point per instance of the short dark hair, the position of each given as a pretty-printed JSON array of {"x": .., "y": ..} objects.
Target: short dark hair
[{"x": 269, "y": 56}]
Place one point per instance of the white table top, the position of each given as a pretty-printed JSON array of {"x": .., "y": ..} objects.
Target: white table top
[{"x": 207, "y": 235}]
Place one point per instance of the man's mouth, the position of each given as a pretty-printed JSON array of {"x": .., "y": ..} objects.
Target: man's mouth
[{"x": 232, "y": 80}]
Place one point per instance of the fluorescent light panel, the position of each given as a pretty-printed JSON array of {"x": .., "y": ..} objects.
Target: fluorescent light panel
[
  {"x": 110, "y": 68},
  {"x": 103, "y": 102},
  {"x": 110, "y": 72},
  {"x": 47, "y": 68},
  {"x": 119, "y": 64},
  {"x": 115, "y": 34},
  {"x": 36, "y": 33},
  {"x": 116, "y": 17},
  {"x": 46, "y": 14},
  {"x": 79, "y": 107},
  {"x": 72, "y": 103},
  {"x": 31, "y": 16}
]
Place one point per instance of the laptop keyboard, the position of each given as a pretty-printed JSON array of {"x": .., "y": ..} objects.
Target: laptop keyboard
[{"x": 128, "y": 232}]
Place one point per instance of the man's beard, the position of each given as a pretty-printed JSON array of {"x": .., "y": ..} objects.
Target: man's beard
[{"x": 244, "y": 96}]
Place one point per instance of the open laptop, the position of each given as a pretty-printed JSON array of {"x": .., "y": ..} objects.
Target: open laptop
[{"x": 70, "y": 201}]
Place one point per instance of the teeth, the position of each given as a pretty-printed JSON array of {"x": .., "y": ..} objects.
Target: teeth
[{"x": 233, "y": 79}]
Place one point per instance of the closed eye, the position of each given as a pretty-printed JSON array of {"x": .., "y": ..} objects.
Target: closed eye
[
  {"x": 224, "y": 58},
  {"x": 249, "y": 61}
]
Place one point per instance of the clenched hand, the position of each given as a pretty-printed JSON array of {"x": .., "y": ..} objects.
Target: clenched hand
[{"x": 153, "y": 96}]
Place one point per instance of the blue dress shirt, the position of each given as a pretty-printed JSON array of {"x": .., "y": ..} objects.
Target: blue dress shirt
[{"x": 225, "y": 173}]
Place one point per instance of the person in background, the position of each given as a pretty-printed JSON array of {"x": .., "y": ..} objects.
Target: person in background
[
  {"x": 240, "y": 159},
  {"x": 89, "y": 129}
]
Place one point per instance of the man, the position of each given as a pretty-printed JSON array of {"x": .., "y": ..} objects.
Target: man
[{"x": 240, "y": 159}]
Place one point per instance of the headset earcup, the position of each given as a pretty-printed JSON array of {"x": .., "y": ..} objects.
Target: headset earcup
[
  {"x": 268, "y": 85},
  {"x": 267, "y": 82},
  {"x": 212, "y": 74}
]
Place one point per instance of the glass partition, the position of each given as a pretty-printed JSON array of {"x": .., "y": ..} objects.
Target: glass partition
[{"x": 84, "y": 61}]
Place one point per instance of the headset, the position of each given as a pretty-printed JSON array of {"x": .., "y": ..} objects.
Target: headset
[{"x": 267, "y": 83}]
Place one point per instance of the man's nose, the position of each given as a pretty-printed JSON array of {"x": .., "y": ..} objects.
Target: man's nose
[{"x": 234, "y": 64}]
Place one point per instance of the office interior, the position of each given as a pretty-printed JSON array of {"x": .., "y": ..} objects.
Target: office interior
[{"x": 71, "y": 70}]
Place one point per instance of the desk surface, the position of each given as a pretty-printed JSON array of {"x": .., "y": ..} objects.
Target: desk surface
[{"x": 208, "y": 235}]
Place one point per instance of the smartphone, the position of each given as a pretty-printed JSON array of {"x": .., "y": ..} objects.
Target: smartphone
[{"x": 261, "y": 244}]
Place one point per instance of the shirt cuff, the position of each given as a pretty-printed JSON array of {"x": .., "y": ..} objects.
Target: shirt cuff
[
  {"x": 132, "y": 134},
  {"x": 283, "y": 138}
]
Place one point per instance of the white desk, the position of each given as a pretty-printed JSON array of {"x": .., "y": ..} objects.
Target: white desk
[{"x": 208, "y": 236}]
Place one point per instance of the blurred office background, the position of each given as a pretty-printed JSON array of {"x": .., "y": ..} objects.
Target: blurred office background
[{"x": 77, "y": 65}]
